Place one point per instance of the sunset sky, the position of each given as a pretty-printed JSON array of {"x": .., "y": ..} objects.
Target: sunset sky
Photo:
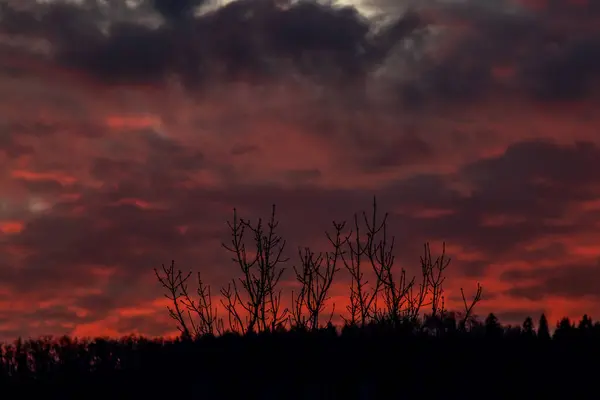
[{"x": 128, "y": 134}]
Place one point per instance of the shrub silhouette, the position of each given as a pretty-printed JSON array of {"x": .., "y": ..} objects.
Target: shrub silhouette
[{"x": 407, "y": 345}]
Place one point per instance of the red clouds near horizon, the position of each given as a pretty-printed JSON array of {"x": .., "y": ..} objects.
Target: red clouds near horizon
[{"x": 474, "y": 124}]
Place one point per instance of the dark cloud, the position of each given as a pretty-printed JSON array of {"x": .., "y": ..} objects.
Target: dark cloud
[
  {"x": 571, "y": 281},
  {"x": 300, "y": 176},
  {"x": 108, "y": 169},
  {"x": 46, "y": 186},
  {"x": 61, "y": 250},
  {"x": 244, "y": 38},
  {"x": 463, "y": 76},
  {"x": 243, "y": 149},
  {"x": 57, "y": 315},
  {"x": 539, "y": 176},
  {"x": 10, "y": 147},
  {"x": 131, "y": 53},
  {"x": 100, "y": 304},
  {"x": 526, "y": 187},
  {"x": 475, "y": 268},
  {"x": 566, "y": 71},
  {"x": 169, "y": 155},
  {"x": 407, "y": 148},
  {"x": 584, "y": 11},
  {"x": 176, "y": 9},
  {"x": 51, "y": 320},
  {"x": 554, "y": 54}
]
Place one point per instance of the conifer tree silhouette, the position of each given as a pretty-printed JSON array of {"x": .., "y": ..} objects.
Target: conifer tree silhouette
[
  {"x": 564, "y": 329},
  {"x": 528, "y": 327},
  {"x": 543, "y": 329},
  {"x": 492, "y": 326},
  {"x": 585, "y": 323}
]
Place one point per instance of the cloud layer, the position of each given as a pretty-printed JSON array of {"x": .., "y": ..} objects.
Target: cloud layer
[{"x": 127, "y": 135}]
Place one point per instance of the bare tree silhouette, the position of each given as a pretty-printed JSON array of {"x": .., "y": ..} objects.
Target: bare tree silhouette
[
  {"x": 362, "y": 298},
  {"x": 256, "y": 291},
  {"x": 173, "y": 281},
  {"x": 253, "y": 301},
  {"x": 434, "y": 271},
  {"x": 315, "y": 279},
  {"x": 201, "y": 315},
  {"x": 468, "y": 314}
]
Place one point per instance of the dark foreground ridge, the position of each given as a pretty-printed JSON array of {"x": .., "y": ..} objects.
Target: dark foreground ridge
[{"x": 373, "y": 362}]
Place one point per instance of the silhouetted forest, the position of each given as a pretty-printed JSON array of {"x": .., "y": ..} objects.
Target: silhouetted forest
[{"x": 398, "y": 339}]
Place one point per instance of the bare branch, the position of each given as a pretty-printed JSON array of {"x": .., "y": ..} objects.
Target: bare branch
[
  {"x": 208, "y": 321},
  {"x": 315, "y": 277},
  {"x": 257, "y": 293},
  {"x": 174, "y": 282},
  {"x": 469, "y": 306}
]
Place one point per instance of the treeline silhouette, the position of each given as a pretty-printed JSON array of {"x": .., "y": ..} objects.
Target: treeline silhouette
[
  {"x": 376, "y": 361},
  {"x": 398, "y": 339}
]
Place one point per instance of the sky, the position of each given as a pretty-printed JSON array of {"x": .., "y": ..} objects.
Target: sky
[{"x": 129, "y": 131}]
